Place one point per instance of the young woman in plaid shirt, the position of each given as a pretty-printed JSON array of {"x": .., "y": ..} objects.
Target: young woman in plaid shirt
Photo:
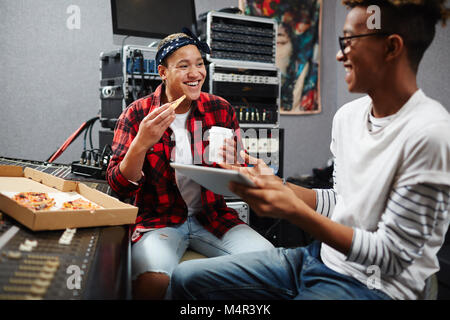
[{"x": 174, "y": 212}]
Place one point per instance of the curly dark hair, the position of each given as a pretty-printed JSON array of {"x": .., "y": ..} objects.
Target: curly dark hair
[{"x": 414, "y": 20}]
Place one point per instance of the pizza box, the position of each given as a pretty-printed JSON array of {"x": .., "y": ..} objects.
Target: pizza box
[{"x": 15, "y": 179}]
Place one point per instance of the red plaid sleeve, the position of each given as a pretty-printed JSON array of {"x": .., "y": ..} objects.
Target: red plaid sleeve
[{"x": 124, "y": 133}]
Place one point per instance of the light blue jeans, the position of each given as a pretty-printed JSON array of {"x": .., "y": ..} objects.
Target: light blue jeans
[
  {"x": 160, "y": 250},
  {"x": 273, "y": 274}
]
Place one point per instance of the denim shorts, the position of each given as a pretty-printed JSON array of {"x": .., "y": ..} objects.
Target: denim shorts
[
  {"x": 275, "y": 274},
  {"x": 160, "y": 250}
]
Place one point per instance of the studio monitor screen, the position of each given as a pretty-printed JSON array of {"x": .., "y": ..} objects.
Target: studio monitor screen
[{"x": 152, "y": 18}]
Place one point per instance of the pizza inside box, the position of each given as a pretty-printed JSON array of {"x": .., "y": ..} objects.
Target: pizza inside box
[{"x": 61, "y": 203}]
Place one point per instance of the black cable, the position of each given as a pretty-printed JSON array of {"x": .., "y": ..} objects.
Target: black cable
[
  {"x": 89, "y": 125},
  {"x": 84, "y": 142},
  {"x": 106, "y": 147},
  {"x": 94, "y": 154},
  {"x": 72, "y": 138},
  {"x": 90, "y": 133},
  {"x": 103, "y": 155}
]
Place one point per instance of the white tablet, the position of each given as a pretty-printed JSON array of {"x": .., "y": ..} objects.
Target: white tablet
[{"x": 214, "y": 179}]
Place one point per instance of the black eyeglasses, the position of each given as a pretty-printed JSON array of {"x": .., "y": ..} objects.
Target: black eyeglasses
[{"x": 343, "y": 40}]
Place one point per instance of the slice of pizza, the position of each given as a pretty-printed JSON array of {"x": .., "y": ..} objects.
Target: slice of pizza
[
  {"x": 80, "y": 204},
  {"x": 177, "y": 102},
  {"x": 34, "y": 200}
]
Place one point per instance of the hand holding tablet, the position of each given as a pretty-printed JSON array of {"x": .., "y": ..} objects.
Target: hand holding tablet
[{"x": 214, "y": 179}]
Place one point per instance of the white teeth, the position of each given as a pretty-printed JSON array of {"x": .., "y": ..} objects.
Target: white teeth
[{"x": 193, "y": 84}]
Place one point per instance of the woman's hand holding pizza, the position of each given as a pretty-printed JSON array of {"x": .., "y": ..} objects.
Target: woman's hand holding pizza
[{"x": 154, "y": 124}]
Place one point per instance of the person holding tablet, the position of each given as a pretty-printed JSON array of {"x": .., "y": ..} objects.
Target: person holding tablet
[
  {"x": 378, "y": 231},
  {"x": 174, "y": 211}
]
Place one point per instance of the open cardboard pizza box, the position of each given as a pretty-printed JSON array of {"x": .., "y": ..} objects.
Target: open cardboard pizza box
[{"x": 15, "y": 179}]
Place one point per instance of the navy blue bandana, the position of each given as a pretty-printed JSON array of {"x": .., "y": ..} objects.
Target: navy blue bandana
[{"x": 177, "y": 43}]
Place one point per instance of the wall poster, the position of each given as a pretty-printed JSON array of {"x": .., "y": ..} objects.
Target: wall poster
[{"x": 298, "y": 50}]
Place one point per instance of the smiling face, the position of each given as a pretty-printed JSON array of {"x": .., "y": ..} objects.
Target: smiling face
[
  {"x": 364, "y": 57},
  {"x": 184, "y": 73}
]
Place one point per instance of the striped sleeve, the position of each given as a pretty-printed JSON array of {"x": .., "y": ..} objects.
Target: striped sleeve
[
  {"x": 326, "y": 198},
  {"x": 409, "y": 220},
  {"x": 325, "y": 201}
]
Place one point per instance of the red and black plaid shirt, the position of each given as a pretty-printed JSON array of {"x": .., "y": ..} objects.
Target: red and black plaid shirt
[{"x": 156, "y": 195}]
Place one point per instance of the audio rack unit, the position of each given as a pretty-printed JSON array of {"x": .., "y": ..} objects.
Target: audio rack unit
[
  {"x": 239, "y": 38},
  {"x": 265, "y": 144},
  {"x": 253, "y": 92},
  {"x": 125, "y": 75}
]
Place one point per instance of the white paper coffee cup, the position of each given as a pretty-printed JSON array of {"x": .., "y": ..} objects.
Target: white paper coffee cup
[{"x": 217, "y": 136}]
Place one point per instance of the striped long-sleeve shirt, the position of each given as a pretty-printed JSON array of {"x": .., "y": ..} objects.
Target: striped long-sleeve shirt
[
  {"x": 410, "y": 217},
  {"x": 392, "y": 187}
]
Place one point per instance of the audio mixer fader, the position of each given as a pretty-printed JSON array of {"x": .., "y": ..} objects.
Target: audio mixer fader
[{"x": 44, "y": 265}]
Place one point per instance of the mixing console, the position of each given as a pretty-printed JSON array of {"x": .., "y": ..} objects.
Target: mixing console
[
  {"x": 38, "y": 266},
  {"x": 59, "y": 170},
  {"x": 83, "y": 263}
]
